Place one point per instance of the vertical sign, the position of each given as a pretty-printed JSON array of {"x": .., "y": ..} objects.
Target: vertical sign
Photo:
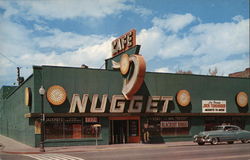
[{"x": 123, "y": 43}]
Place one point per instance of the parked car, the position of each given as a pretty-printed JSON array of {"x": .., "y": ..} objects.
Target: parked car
[{"x": 223, "y": 133}]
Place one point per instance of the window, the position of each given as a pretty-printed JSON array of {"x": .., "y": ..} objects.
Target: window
[
  {"x": 71, "y": 128},
  {"x": 133, "y": 127},
  {"x": 89, "y": 131},
  {"x": 168, "y": 126},
  {"x": 54, "y": 128},
  {"x": 211, "y": 122}
]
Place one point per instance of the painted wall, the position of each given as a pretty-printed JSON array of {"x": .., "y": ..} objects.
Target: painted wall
[
  {"x": 90, "y": 81},
  {"x": 13, "y": 108}
]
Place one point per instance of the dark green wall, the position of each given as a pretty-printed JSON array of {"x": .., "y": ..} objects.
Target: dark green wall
[
  {"x": 13, "y": 109},
  {"x": 91, "y": 81}
]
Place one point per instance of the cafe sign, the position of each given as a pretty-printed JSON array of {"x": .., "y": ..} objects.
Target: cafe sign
[
  {"x": 124, "y": 42},
  {"x": 214, "y": 106}
]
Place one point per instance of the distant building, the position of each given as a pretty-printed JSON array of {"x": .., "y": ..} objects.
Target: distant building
[{"x": 245, "y": 74}]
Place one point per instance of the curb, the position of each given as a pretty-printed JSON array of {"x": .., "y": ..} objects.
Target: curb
[
  {"x": 9, "y": 152},
  {"x": 88, "y": 150}
]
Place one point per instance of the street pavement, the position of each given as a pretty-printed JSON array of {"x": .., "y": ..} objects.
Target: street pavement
[
  {"x": 12, "y": 146},
  {"x": 13, "y": 150}
]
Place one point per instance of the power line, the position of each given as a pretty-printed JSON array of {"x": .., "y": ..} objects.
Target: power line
[
  {"x": 102, "y": 66},
  {"x": 8, "y": 58}
]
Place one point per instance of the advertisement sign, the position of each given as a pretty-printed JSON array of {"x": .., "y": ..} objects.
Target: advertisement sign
[
  {"x": 124, "y": 42},
  {"x": 214, "y": 106},
  {"x": 174, "y": 124}
]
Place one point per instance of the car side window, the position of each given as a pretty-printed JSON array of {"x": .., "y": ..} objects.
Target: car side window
[
  {"x": 231, "y": 128},
  {"x": 227, "y": 128},
  {"x": 235, "y": 128}
]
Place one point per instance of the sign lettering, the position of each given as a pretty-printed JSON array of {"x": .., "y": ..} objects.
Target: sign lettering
[
  {"x": 123, "y": 43},
  {"x": 118, "y": 103},
  {"x": 214, "y": 106}
]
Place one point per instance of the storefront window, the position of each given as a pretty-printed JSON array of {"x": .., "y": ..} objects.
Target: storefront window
[
  {"x": 54, "y": 128},
  {"x": 89, "y": 131},
  {"x": 71, "y": 128},
  {"x": 168, "y": 126},
  {"x": 211, "y": 122}
]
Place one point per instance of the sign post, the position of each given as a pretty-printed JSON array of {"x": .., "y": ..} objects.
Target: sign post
[{"x": 96, "y": 131}]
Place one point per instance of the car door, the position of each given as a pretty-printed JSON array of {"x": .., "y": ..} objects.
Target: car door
[{"x": 230, "y": 133}]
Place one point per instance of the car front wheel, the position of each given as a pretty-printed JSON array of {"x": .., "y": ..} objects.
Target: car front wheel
[
  {"x": 201, "y": 143},
  {"x": 230, "y": 142},
  {"x": 214, "y": 141},
  {"x": 244, "y": 141}
]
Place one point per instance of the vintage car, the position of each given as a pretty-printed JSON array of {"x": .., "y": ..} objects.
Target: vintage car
[{"x": 223, "y": 133}]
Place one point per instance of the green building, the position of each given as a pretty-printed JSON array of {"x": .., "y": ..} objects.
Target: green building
[{"x": 82, "y": 105}]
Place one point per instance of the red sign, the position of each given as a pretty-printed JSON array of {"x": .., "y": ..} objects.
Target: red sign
[
  {"x": 174, "y": 124},
  {"x": 91, "y": 119},
  {"x": 124, "y": 42}
]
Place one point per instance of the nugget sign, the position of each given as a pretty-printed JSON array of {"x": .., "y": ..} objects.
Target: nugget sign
[{"x": 123, "y": 43}]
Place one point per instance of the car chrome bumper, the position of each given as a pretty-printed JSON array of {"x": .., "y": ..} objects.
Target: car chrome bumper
[{"x": 201, "y": 140}]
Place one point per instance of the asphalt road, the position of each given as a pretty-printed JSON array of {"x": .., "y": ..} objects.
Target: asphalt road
[{"x": 150, "y": 152}]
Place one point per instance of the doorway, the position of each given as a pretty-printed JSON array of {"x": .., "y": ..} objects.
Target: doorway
[
  {"x": 124, "y": 130},
  {"x": 120, "y": 131}
]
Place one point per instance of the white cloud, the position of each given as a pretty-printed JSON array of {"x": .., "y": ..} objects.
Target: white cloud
[
  {"x": 203, "y": 46},
  {"x": 217, "y": 39},
  {"x": 222, "y": 38},
  {"x": 14, "y": 38},
  {"x": 174, "y": 22},
  {"x": 69, "y": 9},
  {"x": 142, "y": 11},
  {"x": 66, "y": 40},
  {"x": 227, "y": 66},
  {"x": 163, "y": 70},
  {"x": 65, "y": 9},
  {"x": 151, "y": 40}
]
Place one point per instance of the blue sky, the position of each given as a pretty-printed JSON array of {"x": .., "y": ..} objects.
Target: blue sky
[{"x": 195, "y": 35}]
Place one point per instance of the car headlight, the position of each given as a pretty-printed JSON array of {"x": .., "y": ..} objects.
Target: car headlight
[{"x": 206, "y": 137}]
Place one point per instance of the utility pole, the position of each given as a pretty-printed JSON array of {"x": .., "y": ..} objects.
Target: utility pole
[{"x": 19, "y": 79}]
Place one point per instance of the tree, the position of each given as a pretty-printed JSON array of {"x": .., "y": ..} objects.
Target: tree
[
  {"x": 184, "y": 72},
  {"x": 213, "y": 72}
]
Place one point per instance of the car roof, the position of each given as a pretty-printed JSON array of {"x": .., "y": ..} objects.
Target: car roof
[{"x": 228, "y": 126}]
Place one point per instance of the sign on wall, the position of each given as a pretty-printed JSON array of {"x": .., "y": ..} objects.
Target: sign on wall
[
  {"x": 214, "y": 106},
  {"x": 242, "y": 99},
  {"x": 174, "y": 124},
  {"x": 132, "y": 67},
  {"x": 124, "y": 42}
]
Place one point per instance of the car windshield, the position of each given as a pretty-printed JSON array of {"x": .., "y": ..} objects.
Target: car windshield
[{"x": 217, "y": 128}]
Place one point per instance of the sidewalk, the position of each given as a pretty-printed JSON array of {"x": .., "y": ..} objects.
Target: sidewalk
[{"x": 10, "y": 146}]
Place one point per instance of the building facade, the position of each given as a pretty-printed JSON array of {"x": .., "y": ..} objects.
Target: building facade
[
  {"x": 120, "y": 104},
  {"x": 245, "y": 73}
]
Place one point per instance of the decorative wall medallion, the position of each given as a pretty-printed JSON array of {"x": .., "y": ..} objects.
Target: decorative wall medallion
[
  {"x": 27, "y": 96},
  {"x": 242, "y": 99},
  {"x": 183, "y": 98},
  {"x": 56, "y": 95},
  {"x": 124, "y": 64}
]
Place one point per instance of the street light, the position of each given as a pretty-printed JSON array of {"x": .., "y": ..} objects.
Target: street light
[{"x": 42, "y": 92}]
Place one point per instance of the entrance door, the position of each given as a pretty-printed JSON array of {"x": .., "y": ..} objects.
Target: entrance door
[
  {"x": 120, "y": 131},
  {"x": 124, "y": 130}
]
